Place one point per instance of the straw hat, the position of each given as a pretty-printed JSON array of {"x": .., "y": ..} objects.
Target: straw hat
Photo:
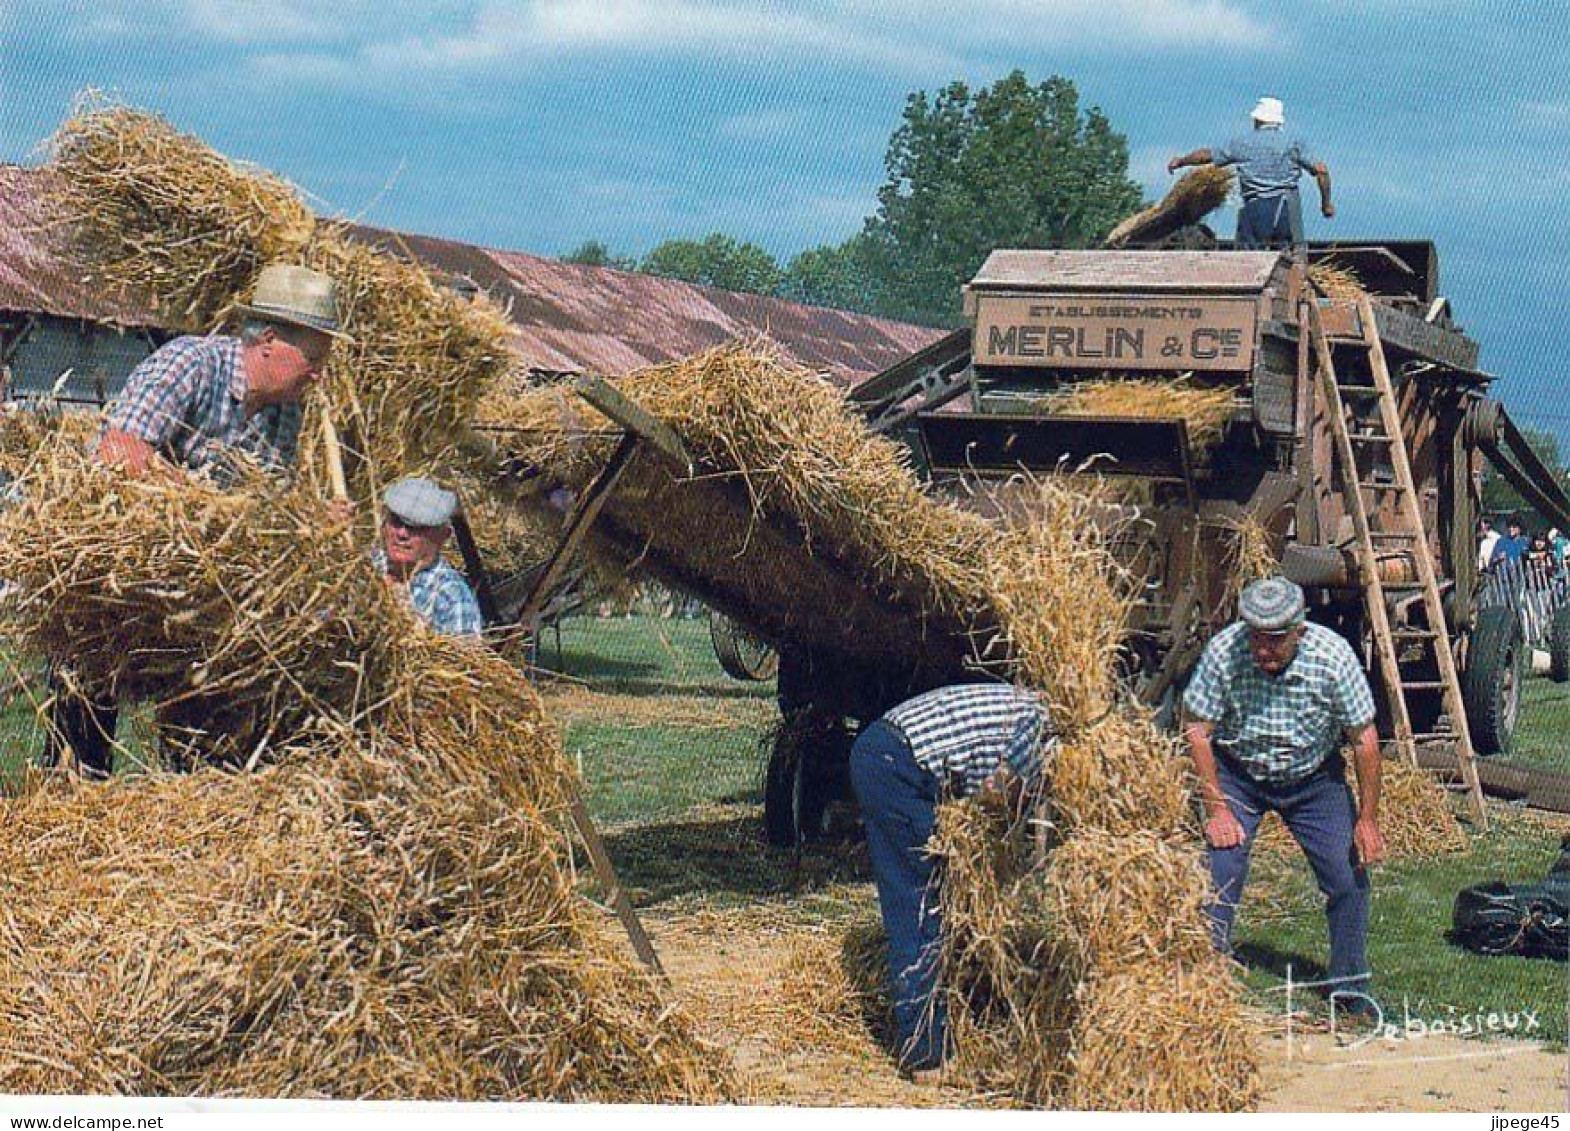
[{"x": 298, "y": 296}]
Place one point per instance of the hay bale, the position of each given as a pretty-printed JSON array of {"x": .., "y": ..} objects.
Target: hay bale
[
  {"x": 158, "y": 212},
  {"x": 1205, "y": 409},
  {"x": 387, "y": 910},
  {"x": 1191, "y": 199},
  {"x": 1158, "y": 1039}
]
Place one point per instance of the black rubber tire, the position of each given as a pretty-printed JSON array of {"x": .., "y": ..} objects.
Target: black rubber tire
[
  {"x": 1491, "y": 685},
  {"x": 1559, "y": 645},
  {"x": 806, "y": 764},
  {"x": 742, "y": 655}
]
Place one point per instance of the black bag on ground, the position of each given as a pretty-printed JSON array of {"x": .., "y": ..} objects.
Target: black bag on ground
[{"x": 1532, "y": 920}]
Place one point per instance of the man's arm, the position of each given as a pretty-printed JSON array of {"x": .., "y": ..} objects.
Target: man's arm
[
  {"x": 1366, "y": 837},
  {"x": 1197, "y": 157},
  {"x": 1322, "y": 179},
  {"x": 132, "y": 454},
  {"x": 1222, "y": 828},
  {"x": 149, "y": 408}
]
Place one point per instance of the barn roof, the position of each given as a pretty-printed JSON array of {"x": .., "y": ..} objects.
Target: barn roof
[{"x": 565, "y": 317}]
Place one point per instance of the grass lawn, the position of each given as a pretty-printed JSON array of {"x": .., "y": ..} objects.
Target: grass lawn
[{"x": 1543, "y": 737}]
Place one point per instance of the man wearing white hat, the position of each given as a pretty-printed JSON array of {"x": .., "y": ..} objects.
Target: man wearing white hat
[
  {"x": 1268, "y": 707},
  {"x": 188, "y": 405},
  {"x": 1269, "y": 162},
  {"x": 416, "y": 523}
]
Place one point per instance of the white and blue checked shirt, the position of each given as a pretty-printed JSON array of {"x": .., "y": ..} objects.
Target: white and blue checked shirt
[
  {"x": 1280, "y": 728},
  {"x": 962, "y": 734},
  {"x": 187, "y": 401},
  {"x": 441, "y": 597}
]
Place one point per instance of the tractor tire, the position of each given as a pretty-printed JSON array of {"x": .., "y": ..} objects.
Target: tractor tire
[
  {"x": 806, "y": 767},
  {"x": 1491, "y": 684},
  {"x": 742, "y": 655},
  {"x": 1559, "y": 645}
]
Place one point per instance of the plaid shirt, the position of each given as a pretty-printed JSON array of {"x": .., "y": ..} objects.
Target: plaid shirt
[
  {"x": 1280, "y": 728},
  {"x": 442, "y": 597},
  {"x": 188, "y": 401},
  {"x": 962, "y": 734}
]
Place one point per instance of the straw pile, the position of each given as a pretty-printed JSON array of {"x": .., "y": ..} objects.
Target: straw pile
[
  {"x": 158, "y": 212},
  {"x": 1206, "y": 409},
  {"x": 1195, "y": 196},
  {"x": 1415, "y": 815},
  {"x": 1336, "y": 280},
  {"x": 385, "y": 909}
]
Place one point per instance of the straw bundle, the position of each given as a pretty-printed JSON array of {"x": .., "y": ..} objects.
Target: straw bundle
[
  {"x": 386, "y": 911},
  {"x": 1206, "y": 409},
  {"x": 159, "y": 212},
  {"x": 1336, "y": 280},
  {"x": 1195, "y": 196},
  {"x": 1415, "y": 815}
]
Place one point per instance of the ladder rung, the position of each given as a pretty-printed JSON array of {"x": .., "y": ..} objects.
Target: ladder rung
[
  {"x": 1393, "y": 534},
  {"x": 1434, "y": 736},
  {"x": 1370, "y": 485},
  {"x": 1423, "y": 685},
  {"x": 1414, "y": 634},
  {"x": 1367, "y": 438},
  {"x": 1359, "y": 390}
]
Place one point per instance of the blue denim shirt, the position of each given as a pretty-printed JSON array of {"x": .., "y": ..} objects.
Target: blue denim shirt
[{"x": 1269, "y": 162}]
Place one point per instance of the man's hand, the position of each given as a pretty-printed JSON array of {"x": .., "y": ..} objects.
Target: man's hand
[
  {"x": 340, "y": 511},
  {"x": 1327, "y": 210},
  {"x": 1369, "y": 841},
  {"x": 1174, "y": 165},
  {"x": 1223, "y": 830}
]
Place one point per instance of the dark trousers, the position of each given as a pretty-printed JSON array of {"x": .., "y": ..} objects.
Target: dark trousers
[
  {"x": 1272, "y": 222},
  {"x": 85, "y": 726},
  {"x": 899, "y": 809},
  {"x": 1319, "y": 813}
]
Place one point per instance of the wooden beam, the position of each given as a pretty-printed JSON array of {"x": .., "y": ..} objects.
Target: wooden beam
[{"x": 634, "y": 418}]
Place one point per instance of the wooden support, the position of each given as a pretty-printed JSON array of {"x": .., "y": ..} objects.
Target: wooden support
[
  {"x": 474, "y": 566},
  {"x": 617, "y": 896}
]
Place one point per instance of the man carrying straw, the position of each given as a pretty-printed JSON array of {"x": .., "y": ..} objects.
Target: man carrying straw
[
  {"x": 957, "y": 741},
  {"x": 1267, "y": 707},
  {"x": 1269, "y": 161},
  {"x": 187, "y": 406}
]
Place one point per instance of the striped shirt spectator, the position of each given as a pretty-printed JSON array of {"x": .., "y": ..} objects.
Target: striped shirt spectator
[
  {"x": 962, "y": 734},
  {"x": 187, "y": 401},
  {"x": 442, "y": 598},
  {"x": 1281, "y": 728}
]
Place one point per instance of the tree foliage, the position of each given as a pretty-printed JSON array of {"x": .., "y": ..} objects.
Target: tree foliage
[
  {"x": 1013, "y": 165},
  {"x": 593, "y": 253},
  {"x": 1501, "y": 499},
  {"x": 839, "y": 276},
  {"x": 715, "y": 261}
]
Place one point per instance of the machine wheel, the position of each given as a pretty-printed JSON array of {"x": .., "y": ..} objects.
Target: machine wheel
[
  {"x": 805, "y": 770},
  {"x": 741, "y": 654},
  {"x": 1559, "y": 645},
  {"x": 1491, "y": 684}
]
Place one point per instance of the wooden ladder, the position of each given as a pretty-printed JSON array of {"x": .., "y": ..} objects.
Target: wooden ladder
[{"x": 1404, "y": 530}]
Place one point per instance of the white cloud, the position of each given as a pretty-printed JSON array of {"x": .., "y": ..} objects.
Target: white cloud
[{"x": 1546, "y": 113}]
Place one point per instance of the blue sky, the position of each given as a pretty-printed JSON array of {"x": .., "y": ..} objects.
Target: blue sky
[{"x": 536, "y": 124}]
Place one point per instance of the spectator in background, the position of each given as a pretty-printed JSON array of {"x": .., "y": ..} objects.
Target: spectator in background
[
  {"x": 1559, "y": 544},
  {"x": 1513, "y": 546},
  {"x": 1487, "y": 542},
  {"x": 1542, "y": 564}
]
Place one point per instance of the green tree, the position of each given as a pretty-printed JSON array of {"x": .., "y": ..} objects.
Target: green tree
[
  {"x": 1013, "y": 165},
  {"x": 715, "y": 261},
  {"x": 841, "y": 276},
  {"x": 593, "y": 253}
]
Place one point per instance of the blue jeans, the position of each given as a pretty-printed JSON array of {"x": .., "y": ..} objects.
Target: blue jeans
[
  {"x": 1270, "y": 222},
  {"x": 899, "y": 809},
  {"x": 1319, "y": 813}
]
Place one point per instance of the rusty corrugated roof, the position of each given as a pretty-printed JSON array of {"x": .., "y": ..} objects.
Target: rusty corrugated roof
[
  {"x": 565, "y": 317},
  {"x": 37, "y": 274}
]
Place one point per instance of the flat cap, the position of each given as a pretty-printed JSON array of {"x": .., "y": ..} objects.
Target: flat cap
[
  {"x": 1272, "y": 605},
  {"x": 420, "y": 502}
]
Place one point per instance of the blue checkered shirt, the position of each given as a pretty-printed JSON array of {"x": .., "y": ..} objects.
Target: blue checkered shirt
[
  {"x": 1280, "y": 728},
  {"x": 442, "y": 597},
  {"x": 187, "y": 400},
  {"x": 962, "y": 734}
]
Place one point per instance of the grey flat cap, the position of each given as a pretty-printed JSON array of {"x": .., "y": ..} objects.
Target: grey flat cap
[
  {"x": 1272, "y": 605},
  {"x": 420, "y": 502}
]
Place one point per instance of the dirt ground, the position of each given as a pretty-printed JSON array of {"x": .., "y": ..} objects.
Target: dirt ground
[{"x": 763, "y": 987}]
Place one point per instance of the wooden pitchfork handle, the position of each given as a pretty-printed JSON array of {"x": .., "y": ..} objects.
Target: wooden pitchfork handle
[{"x": 334, "y": 454}]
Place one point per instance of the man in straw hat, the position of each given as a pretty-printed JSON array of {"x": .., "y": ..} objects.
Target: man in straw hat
[
  {"x": 1268, "y": 706},
  {"x": 960, "y": 741},
  {"x": 416, "y": 523},
  {"x": 193, "y": 400},
  {"x": 1269, "y": 161}
]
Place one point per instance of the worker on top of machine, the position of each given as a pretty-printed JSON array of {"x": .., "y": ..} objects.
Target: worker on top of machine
[
  {"x": 416, "y": 523},
  {"x": 1269, "y": 161},
  {"x": 969, "y": 739},
  {"x": 1269, "y": 705}
]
